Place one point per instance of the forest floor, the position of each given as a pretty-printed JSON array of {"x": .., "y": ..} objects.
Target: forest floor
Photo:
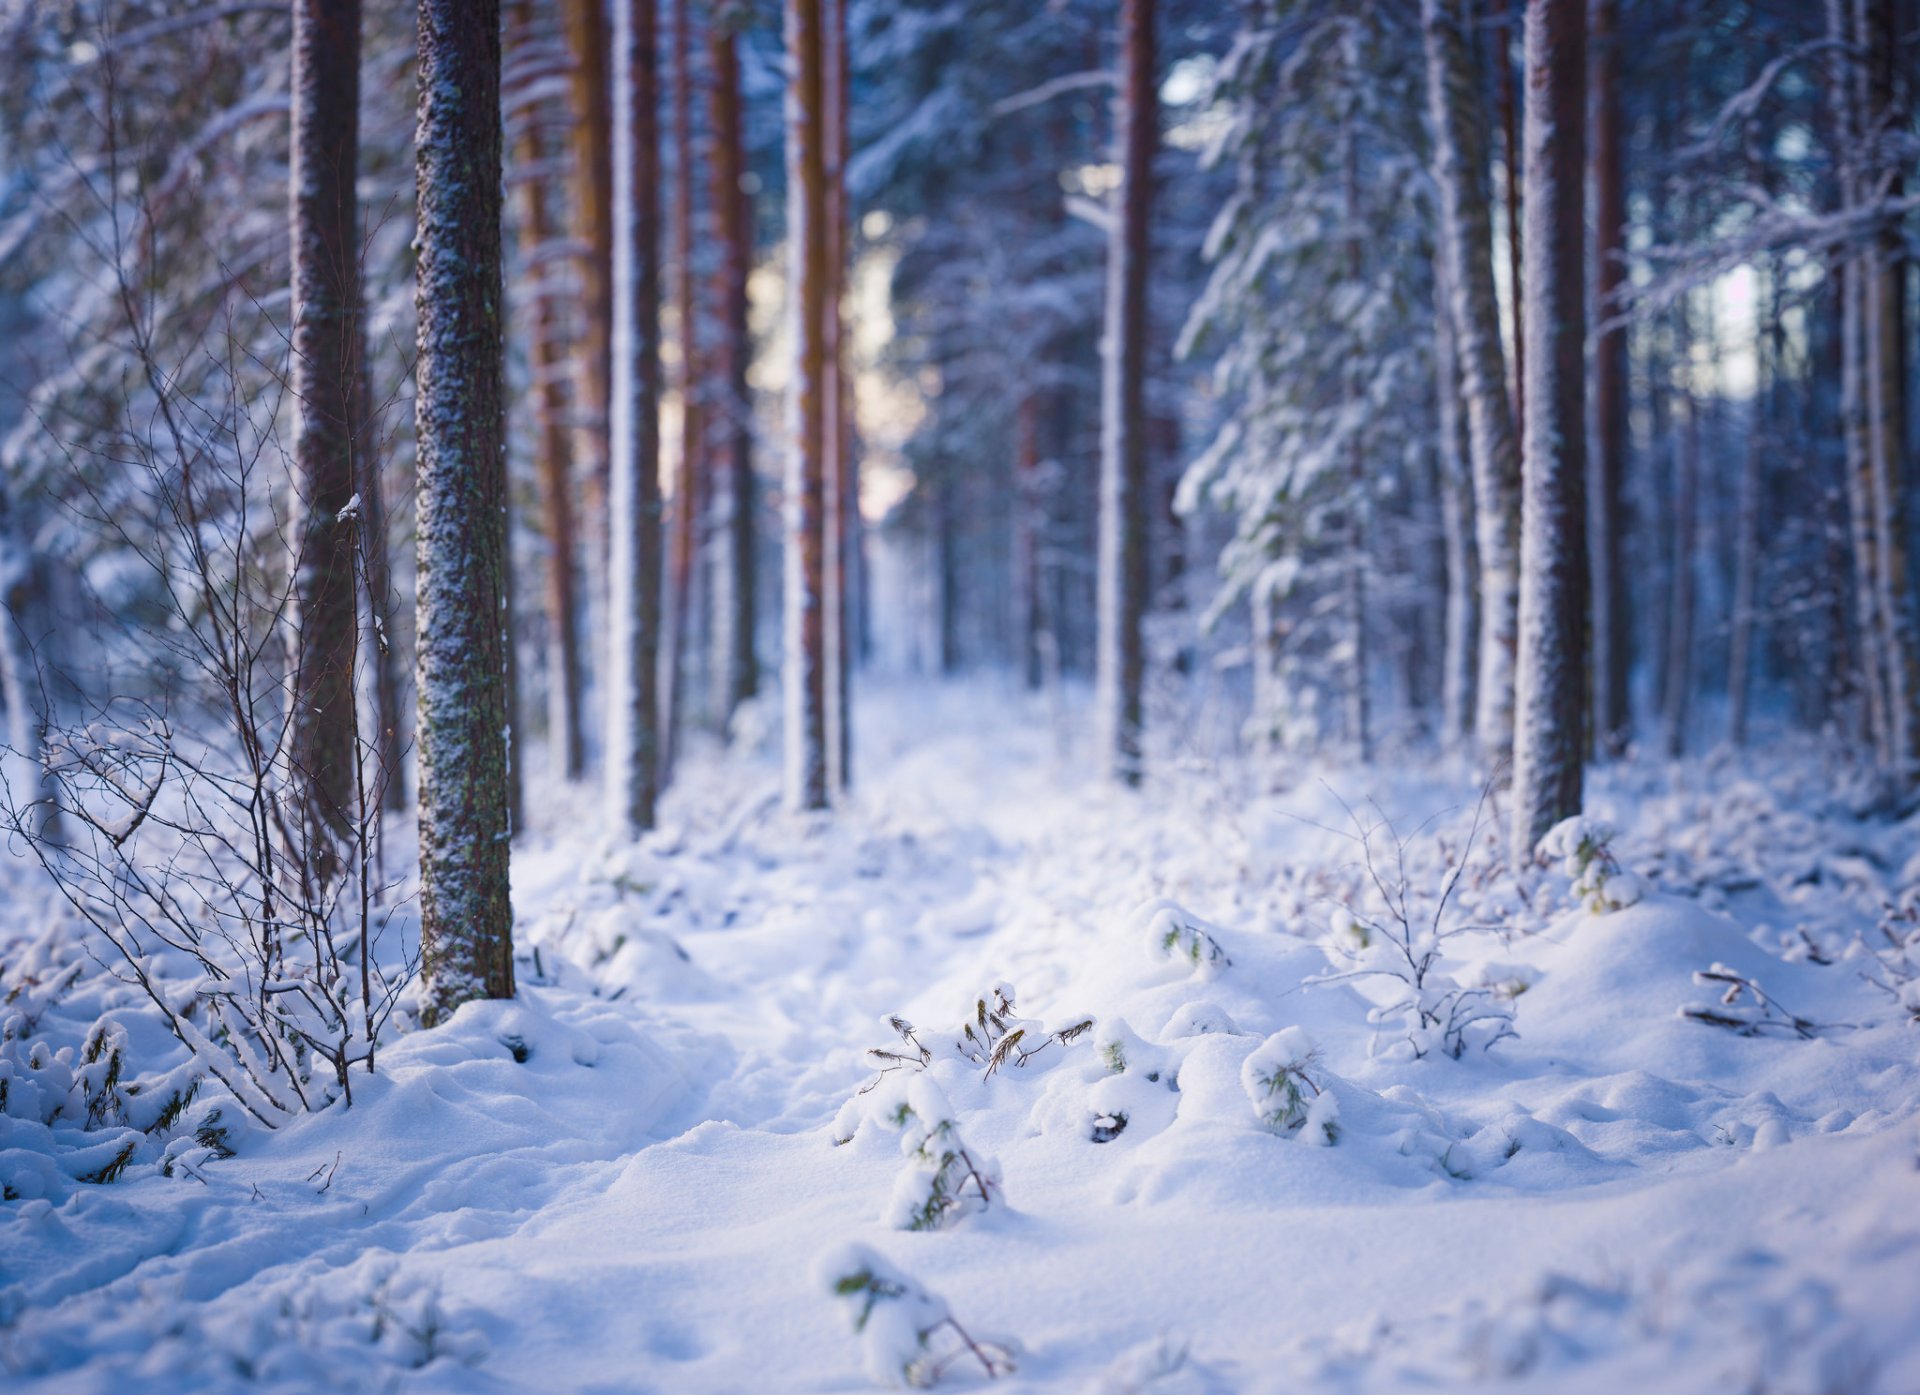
[{"x": 628, "y": 1180}]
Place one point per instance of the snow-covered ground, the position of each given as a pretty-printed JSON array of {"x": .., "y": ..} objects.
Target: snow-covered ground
[{"x": 1239, "y": 1177}]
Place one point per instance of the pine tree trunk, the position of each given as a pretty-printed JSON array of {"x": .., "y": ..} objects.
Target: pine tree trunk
[
  {"x": 840, "y": 503},
  {"x": 326, "y": 369},
  {"x": 1676, "y": 700},
  {"x": 1746, "y": 552},
  {"x": 591, "y": 137},
  {"x": 1460, "y": 651},
  {"x": 736, "y": 668},
  {"x": 1359, "y": 519},
  {"x": 1883, "y": 267},
  {"x": 804, "y": 680},
  {"x": 1027, "y": 524},
  {"x": 1121, "y": 658},
  {"x": 1551, "y": 678},
  {"x": 633, "y": 712},
  {"x": 1466, "y": 238},
  {"x": 1851, "y": 275},
  {"x": 687, "y": 480},
  {"x": 1514, "y": 202},
  {"x": 1612, "y": 653},
  {"x": 553, "y": 440},
  {"x": 466, "y": 918}
]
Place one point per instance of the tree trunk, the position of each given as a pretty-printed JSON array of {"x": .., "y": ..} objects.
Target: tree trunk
[
  {"x": 466, "y": 918},
  {"x": 804, "y": 680},
  {"x": 687, "y": 481},
  {"x": 1746, "y": 552},
  {"x": 553, "y": 448},
  {"x": 736, "y": 668},
  {"x": 590, "y": 135},
  {"x": 1121, "y": 659},
  {"x": 1466, "y": 239},
  {"x": 1027, "y": 522},
  {"x": 326, "y": 368},
  {"x": 1359, "y": 520},
  {"x": 1883, "y": 295},
  {"x": 1551, "y": 679},
  {"x": 1456, "y": 528},
  {"x": 1612, "y": 653},
  {"x": 1850, "y": 271},
  {"x": 1677, "y": 695},
  {"x": 1516, "y": 238},
  {"x": 841, "y": 506},
  {"x": 633, "y": 712}
]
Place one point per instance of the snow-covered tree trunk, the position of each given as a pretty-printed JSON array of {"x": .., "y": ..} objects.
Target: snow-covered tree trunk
[
  {"x": 1122, "y": 576},
  {"x": 804, "y": 678},
  {"x": 688, "y": 477},
  {"x": 1612, "y": 635},
  {"x": 1462, "y": 623},
  {"x": 1027, "y": 598},
  {"x": 735, "y": 664},
  {"x": 1502, "y": 33},
  {"x": 1466, "y": 239},
  {"x": 1883, "y": 305},
  {"x": 1359, "y": 540},
  {"x": 633, "y": 680},
  {"x": 1850, "y": 271},
  {"x": 466, "y": 918},
  {"x": 327, "y": 341},
  {"x": 1551, "y": 678},
  {"x": 590, "y": 136}
]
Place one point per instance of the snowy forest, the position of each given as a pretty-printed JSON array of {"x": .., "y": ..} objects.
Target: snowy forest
[{"x": 1244, "y": 677}]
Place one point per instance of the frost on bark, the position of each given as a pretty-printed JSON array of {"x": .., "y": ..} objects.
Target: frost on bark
[
  {"x": 1462, "y": 623},
  {"x": 1612, "y": 715},
  {"x": 1466, "y": 240},
  {"x": 736, "y": 667},
  {"x": 1551, "y": 681},
  {"x": 633, "y": 696},
  {"x": 804, "y": 679},
  {"x": 466, "y": 919},
  {"x": 1122, "y": 577},
  {"x": 327, "y": 431}
]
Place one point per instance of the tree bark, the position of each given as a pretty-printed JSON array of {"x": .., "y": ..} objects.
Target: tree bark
[
  {"x": 736, "y": 668},
  {"x": 1612, "y": 639},
  {"x": 1123, "y": 577},
  {"x": 1676, "y": 697},
  {"x": 1883, "y": 267},
  {"x": 633, "y": 714},
  {"x": 466, "y": 918},
  {"x": 1466, "y": 239},
  {"x": 687, "y": 480},
  {"x": 590, "y": 136},
  {"x": 553, "y": 438},
  {"x": 1514, "y": 201},
  {"x": 804, "y": 680},
  {"x": 842, "y": 512},
  {"x": 1462, "y": 623},
  {"x": 1551, "y": 679},
  {"x": 327, "y": 431}
]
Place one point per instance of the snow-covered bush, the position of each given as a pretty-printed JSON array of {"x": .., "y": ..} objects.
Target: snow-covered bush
[
  {"x": 1742, "y": 1006},
  {"x": 908, "y": 1336},
  {"x": 77, "y": 1111},
  {"x": 1389, "y": 933},
  {"x": 944, "y": 1179},
  {"x": 1896, "y": 949},
  {"x": 1287, "y": 1099},
  {"x": 1584, "y": 849},
  {"x": 1173, "y": 932},
  {"x": 992, "y": 1036}
]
